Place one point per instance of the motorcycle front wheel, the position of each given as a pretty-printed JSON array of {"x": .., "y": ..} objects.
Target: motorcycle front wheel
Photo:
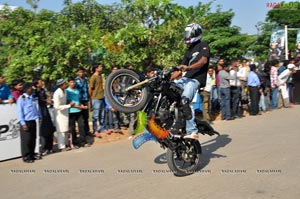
[
  {"x": 127, "y": 101},
  {"x": 185, "y": 160}
]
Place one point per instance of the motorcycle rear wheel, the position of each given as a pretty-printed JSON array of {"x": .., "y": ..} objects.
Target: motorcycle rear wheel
[
  {"x": 120, "y": 99},
  {"x": 185, "y": 161}
]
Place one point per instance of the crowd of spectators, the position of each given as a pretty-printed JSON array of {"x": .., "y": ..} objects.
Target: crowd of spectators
[
  {"x": 235, "y": 88},
  {"x": 63, "y": 111},
  {"x": 231, "y": 90}
]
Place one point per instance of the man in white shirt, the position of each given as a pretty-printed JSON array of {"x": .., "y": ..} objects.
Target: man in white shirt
[
  {"x": 61, "y": 108},
  {"x": 282, "y": 79},
  {"x": 205, "y": 94},
  {"x": 243, "y": 72}
]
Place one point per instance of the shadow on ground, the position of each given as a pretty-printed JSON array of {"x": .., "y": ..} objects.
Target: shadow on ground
[{"x": 208, "y": 149}]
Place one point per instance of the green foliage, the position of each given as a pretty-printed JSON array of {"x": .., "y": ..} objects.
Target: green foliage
[
  {"x": 226, "y": 41},
  {"x": 142, "y": 32},
  {"x": 285, "y": 15}
]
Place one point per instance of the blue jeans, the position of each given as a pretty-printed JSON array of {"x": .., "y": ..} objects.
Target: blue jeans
[
  {"x": 98, "y": 114},
  {"x": 274, "y": 98},
  {"x": 225, "y": 103},
  {"x": 189, "y": 87},
  {"x": 112, "y": 119},
  {"x": 214, "y": 98},
  {"x": 262, "y": 103},
  {"x": 235, "y": 100}
]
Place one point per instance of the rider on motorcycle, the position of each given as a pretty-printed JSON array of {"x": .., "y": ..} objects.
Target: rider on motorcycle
[{"x": 195, "y": 66}]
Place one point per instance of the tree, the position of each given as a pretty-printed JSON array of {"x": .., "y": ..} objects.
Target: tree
[
  {"x": 285, "y": 14},
  {"x": 225, "y": 41},
  {"x": 149, "y": 34},
  {"x": 143, "y": 32},
  {"x": 277, "y": 18}
]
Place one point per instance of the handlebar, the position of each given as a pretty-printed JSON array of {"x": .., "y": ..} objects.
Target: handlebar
[
  {"x": 160, "y": 75},
  {"x": 168, "y": 72}
]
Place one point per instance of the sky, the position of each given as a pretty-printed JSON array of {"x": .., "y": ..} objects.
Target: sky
[{"x": 247, "y": 12}]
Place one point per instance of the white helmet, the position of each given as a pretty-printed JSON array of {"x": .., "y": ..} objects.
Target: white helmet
[{"x": 192, "y": 33}]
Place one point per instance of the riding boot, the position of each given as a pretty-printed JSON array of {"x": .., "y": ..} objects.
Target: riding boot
[{"x": 186, "y": 109}]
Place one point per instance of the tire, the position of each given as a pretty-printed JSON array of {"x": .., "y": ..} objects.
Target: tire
[
  {"x": 120, "y": 99},
  {"x": 174, "y": 161}
]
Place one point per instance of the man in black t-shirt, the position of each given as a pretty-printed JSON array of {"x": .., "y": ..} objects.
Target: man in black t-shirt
[{"x": 194, "y": 65}]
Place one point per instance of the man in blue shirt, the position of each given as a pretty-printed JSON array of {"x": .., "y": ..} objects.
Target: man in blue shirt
[
  {"x": 253, "y": 85},
  {"x": 75, "y": 115},
  {"x": 82, "y": 85},
  {"x": 5, "y": 93},
  {"x": 27, "y": 115}
]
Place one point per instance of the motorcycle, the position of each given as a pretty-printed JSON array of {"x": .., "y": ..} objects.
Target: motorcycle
[{"x": 157, "y": 100}]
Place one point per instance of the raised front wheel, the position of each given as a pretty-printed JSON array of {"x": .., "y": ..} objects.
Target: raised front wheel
[{"x": 119, "y": 97}]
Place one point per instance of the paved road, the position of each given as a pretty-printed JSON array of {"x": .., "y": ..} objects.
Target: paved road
[{"x": 255, "y": 157}]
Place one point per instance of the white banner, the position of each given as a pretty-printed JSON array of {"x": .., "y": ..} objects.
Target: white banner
[
  {"x": 277, "y": 38},
  {"x": 276, "y": 50},
  {"x": 10, "y": 141}
]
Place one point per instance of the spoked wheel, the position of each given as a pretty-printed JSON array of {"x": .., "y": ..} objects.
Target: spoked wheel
[
  {"x": 118, "y": 95},
  {"x": 185, "y": 160}
]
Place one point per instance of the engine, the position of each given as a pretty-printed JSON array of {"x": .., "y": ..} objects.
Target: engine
[{"x": 165, "y": 114}]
